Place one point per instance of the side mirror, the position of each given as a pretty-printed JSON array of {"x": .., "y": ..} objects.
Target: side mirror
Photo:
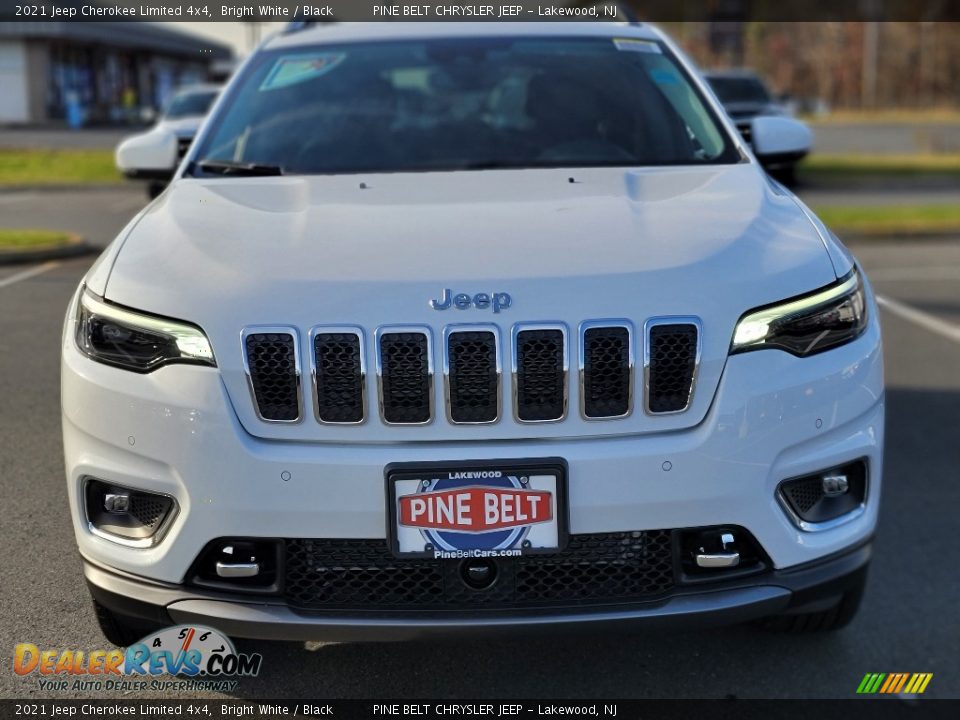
[
  {"x": 151, "y": 155},
  {"x": 778, "y": 140}
]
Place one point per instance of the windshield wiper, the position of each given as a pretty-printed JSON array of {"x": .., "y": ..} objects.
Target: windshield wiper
[{"x": 225, "y": 167}]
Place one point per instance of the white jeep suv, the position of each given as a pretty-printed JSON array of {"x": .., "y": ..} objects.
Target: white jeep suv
[{"x": 464, "y": 328}]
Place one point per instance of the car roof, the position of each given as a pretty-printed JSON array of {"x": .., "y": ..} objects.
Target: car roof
[{"x": 373, "y": 31}]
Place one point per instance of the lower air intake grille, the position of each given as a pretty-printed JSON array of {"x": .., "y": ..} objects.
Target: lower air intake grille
[
  {"x": 592, "y": 570},
  {"x": 272, "y": 361},
  {"x": 672, "y": 364},
  {"x": 606, "y": 372},
  {"x": 405, "y": 377},
  {"x": 474, "y": 381},
  {"x": 340, "y": 377},
  {"x": 541, "y": 374}
]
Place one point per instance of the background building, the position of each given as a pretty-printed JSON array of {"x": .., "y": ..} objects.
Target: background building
[{"x": 98, "y": 73}]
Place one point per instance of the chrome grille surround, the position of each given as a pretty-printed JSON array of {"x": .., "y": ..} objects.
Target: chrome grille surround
[
  {"x": 520, "y": 328},
  {"x": 291, "y": 334},
  {"x": 586, "y": 326},
  {"x": 669, "y": 320},
  {"x": 378, "y": 354},
  {"x": 320, "y": 330},
  {"x": 254, "y": 330},
  {"x": 448, "y": 332}
]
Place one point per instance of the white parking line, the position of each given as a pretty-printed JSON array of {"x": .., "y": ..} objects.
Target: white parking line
[
  {"x": 29, "y": 273},
  {"x": 918, "y": 317}
]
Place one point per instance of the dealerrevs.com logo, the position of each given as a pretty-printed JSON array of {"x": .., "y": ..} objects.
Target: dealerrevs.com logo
[{"x": 202, "y": 658}]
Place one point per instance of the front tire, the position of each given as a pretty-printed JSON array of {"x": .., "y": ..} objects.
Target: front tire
[{"x": 830, "y": 619}]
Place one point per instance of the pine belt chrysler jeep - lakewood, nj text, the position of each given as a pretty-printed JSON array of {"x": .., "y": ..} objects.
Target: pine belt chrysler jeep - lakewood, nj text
[{"x": 453, "y": 328}]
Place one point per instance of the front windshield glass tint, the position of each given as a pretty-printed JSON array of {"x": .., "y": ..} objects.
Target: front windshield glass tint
[{"x": 466, "y": 104}]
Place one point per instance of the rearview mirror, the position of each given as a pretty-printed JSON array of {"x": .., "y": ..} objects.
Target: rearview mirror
[
  {"x": 151, "y": 155},
  {"x": 778, "y": 140}
]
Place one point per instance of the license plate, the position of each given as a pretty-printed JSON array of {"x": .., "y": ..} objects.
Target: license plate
[{"x": 477, "y": 510}]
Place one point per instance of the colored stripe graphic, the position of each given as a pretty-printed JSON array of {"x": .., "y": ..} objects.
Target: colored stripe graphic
[{"x": 894, "y": 683}]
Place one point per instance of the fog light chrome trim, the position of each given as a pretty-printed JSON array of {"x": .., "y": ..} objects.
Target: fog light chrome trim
[
  {"x": 847, "y": 517},
  {"x": 139, "y": 543}
]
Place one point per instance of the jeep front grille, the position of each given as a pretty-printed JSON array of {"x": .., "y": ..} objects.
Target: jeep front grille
[
  {"x": 472, "y": 357},
  {"x": 273, "y": 368},
  {"x": 606, "y": 370},
  {"x": 472, "y": 375},
  {"x": 339, "y": 375},
  {"x": 540, "y": 373},
  {"x": 406, "y": 376},
  {"x": 672, "y": 355}
]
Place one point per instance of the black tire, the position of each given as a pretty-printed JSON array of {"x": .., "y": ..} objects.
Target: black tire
[
  {"x": 833, "y": 618},
  {"x": 121, "y": 630}
]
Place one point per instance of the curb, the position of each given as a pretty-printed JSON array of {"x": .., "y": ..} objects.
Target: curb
[{"x": 76, "y": 247}]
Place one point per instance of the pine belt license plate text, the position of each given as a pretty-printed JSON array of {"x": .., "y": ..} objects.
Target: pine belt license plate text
[{"x": 477, "y": 512}]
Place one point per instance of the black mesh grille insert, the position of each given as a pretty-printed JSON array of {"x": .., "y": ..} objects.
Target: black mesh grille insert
[
  {"x": 804, "y": 494},
  {"x": 273, "y": 372},
  {"x": 673, "y": 357},
  {"x": 339, "y": 377},
  {"x": 474, "y": 383},
  {"x": 541, "y": 379},
  {"x": 592, "y": 569},
  {"x": 149, "y": 510},
  {"x": 606, "y": 372},
  {"x": 405, "y": 377}
]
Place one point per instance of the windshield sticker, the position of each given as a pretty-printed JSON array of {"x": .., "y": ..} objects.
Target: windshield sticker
[
  {"x": 300, "y": 68},
  {"x": 631, "y": 45}
]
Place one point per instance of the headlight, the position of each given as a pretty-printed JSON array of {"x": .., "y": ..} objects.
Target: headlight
[
  {"x": 806, "y": 325},
  {"x": 134, "y": 341}
]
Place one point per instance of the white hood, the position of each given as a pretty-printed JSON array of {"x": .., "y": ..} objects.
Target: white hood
[{"x": 567, "y": 245}]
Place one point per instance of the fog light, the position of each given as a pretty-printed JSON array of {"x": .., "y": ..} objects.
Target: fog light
[
  {"x": 116, "y": 502},
  {"x": 834, "y": 485},
  {"x": 821, "y": 500},
  {"x": 131, "y": 517}
]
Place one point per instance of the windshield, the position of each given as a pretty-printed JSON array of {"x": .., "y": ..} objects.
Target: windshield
[
  {"x": 465, "y": 104},
  {"x": 739, "y": 90},
  {"x": 187, "y": 104}
]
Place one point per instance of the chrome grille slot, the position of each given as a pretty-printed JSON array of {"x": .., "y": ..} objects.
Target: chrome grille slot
[
  {"x": 472, "y": 375},
  {"x": 273, "y": 370},
  {"x": 671, "y": 358},
  {"x": 339, "y": 375},
  {"x": 606, "y": 370},
  {"x": 540, "y": 373},
  {"x": 406, "y": 376}
]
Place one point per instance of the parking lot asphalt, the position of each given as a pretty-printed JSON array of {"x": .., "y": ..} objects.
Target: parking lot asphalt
[{"x": 907, "y": 622}]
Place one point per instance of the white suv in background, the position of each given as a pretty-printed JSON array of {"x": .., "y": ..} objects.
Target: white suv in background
[{"x": 447, "y": 328}]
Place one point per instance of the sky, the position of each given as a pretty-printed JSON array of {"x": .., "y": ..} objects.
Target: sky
[{"x": 235, "y": 34}]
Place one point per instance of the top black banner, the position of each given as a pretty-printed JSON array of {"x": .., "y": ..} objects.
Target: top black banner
[{"x": 478, "y": 11}]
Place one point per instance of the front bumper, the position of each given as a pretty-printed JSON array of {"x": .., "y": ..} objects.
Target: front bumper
[
  {"x": 807, "y": 588},
  {"x": 175, "y": 432}
]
